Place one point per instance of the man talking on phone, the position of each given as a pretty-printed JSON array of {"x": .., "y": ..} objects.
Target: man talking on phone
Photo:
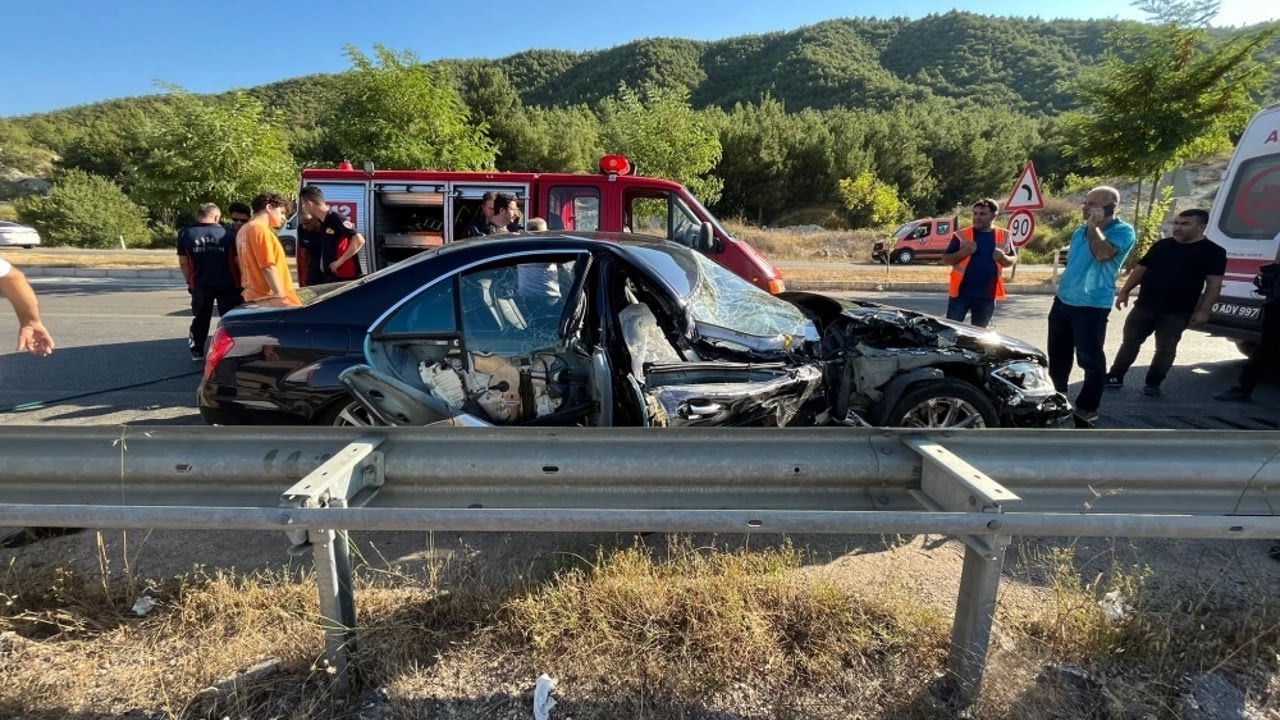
[{"x": 1086, "y": 291}]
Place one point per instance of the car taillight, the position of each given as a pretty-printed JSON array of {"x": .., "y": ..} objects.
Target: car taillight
[
  {"x": 776, "y": 286},
  {"x": 218, "y": 349}
]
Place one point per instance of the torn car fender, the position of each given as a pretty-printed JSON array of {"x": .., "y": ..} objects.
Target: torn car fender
[{"x": 894, "y": 389}]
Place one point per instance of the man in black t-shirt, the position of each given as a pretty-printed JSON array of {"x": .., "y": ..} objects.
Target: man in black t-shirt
[
  {"x": 1181, "y": 277},
  {"x": 207, "y": 256},
  {"x": 340, "y": 243}
]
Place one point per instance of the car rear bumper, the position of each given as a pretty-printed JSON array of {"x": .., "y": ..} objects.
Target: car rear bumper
[{"x": 221, "y": 409}]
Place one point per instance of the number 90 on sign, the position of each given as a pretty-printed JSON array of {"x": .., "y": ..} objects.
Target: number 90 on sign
[{"x": 1022, "y": 225}]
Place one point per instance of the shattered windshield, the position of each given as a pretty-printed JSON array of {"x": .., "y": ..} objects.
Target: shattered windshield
[{"x": 715, "y": 296}]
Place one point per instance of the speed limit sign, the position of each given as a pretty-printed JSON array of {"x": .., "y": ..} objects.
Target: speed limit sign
[{"x": 1022, "y": 225}]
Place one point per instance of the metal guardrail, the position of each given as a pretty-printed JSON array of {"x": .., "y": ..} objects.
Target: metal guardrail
[{"x": 315, "y": 484}]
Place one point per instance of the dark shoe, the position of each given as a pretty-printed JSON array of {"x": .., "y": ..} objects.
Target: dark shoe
[
  {"x": 197, "y": 357},
  {"x": 1274, "y": 553},
  {"x": 1235, "y": 393},
  {"x": 1152, "y": 391},
  {"x": 1114, "y": 383},
  {"x": 1085, "y": 419}
]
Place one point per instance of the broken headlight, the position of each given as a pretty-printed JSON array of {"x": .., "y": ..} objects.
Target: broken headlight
[{"x": 1030, "y": 379}]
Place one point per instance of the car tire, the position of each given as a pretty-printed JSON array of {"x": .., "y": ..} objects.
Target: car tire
[
  {"x": 290, "y": 247},
  {"x": 904, "y": 256},
  {"x": 948, "y": 403},
  {"x": 348, "y": 413}
]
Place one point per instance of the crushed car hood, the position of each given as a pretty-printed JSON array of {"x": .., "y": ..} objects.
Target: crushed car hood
[{"x": 896, "y": 327}]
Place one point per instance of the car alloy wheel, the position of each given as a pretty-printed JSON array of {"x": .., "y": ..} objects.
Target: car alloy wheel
[
  {"x": 354, "y": 415},
  {"x": 944, "y": 412}
]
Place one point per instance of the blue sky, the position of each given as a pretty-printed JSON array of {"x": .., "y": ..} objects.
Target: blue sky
[{"x": 69, "y": 52}]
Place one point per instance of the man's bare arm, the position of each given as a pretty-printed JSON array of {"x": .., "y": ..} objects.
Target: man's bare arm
[
  {"x": 1212, "y": 290},
  {"x": 32, "y": 335},
  {"x": 269, "y": 274},
  {"x": 1098, "y": 245},
  {"x": 1135, "y": 278}
]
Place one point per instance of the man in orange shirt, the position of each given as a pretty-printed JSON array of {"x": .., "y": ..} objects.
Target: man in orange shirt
[{"x": 264, "y": 269}]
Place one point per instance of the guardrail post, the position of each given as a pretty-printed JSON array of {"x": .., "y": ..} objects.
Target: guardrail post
[
  {"x": 949, "y": 484},
  {"x": 351, "y": 477},
  {"x": 337, "y": 601},
  {"x": 975, "y": 614}
]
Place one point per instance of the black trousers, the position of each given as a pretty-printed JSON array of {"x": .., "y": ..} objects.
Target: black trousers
[
  {"x": 1080, "y": 332},
  {"x": 1265, "y": 355},
  {"x": 1140, "y": 325},
  {"x": 202, "y": 302}
]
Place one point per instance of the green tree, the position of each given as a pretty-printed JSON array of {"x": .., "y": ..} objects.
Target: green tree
[
  {"x": 552, "y": 140},
  {"x": 1173, "y": 94},
  {"x": 659, "y": 131},
  {"x": 401, "y": 114},
  {"x": 756, "y": 142},
  {"x": 85, "y": 211},
  {"x": 19, "y": 151},
  {"x": 201, "y": 150},
  {"x": 871, "y": 202}
]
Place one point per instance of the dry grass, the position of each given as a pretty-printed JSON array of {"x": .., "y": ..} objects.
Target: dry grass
[
  {"x": 104, "y": 260},
  {"x": 685, "y": 632},
  {"x": 900, "y": 274},
  {"x": 122, "y": 259},
  {"x": 832, "y": 245}
]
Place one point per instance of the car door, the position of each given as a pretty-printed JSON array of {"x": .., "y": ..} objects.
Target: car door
[{"x": 499, "y": 341}]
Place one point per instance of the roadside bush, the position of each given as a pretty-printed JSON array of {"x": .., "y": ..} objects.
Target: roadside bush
[
  {"x": 872, "y": 202},
  {"x": 1059, "y": 213},
  {"x": 8, "y": 213},
  {"x": 84, "y": 210}
]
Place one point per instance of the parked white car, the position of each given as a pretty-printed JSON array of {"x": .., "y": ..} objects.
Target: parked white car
[{"x": 15, "y": 235}]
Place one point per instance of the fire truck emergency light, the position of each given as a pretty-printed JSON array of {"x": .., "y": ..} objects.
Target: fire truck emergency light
[{"x": 615, "y": 165}]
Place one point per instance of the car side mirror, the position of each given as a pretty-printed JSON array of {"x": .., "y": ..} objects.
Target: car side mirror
[{"x": 706, "y": 238}]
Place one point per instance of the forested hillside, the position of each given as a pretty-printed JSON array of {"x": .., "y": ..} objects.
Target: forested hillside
[{"x": 923, "y": 112}]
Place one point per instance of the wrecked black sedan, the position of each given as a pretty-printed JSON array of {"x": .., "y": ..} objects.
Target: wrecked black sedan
[{"x": 609, "y": 330}]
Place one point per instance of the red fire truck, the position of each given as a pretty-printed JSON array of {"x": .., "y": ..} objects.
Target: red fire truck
[{"x": 403, "y": 212}]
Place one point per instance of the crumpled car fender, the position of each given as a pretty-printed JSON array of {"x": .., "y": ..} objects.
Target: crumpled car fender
[{"x": 893, "y": 390}]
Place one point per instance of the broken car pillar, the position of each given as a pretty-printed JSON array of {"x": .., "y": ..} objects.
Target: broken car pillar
[{"x": 949, "y": 484}]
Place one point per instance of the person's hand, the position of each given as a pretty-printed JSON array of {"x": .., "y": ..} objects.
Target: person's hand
[
  {"x": 35, "y": 339},
  {"x": 968, "y": 247},
  {"x": 999, "y": 256},
  {"x": 333, "y": 267},
  {"x": 1200, "y": 318},
  {"x": 1122, "y": 299},
  {"x": 1095, "y": 218}
]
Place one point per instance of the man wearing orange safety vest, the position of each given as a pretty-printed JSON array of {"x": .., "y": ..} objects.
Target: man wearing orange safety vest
[{"x": 978, "y": 256}]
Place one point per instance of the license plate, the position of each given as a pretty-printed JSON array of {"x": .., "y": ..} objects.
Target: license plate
[{"x": 1246, "y": 312}]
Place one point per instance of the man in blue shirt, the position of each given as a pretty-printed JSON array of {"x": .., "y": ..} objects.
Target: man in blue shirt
[{"x": 1086, "y": 290}]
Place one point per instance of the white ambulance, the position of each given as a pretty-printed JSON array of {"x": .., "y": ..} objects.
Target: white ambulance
[{"x": 1245, "y": 221}]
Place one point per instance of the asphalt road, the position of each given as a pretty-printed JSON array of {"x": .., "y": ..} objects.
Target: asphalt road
[{"x": 122, "y": 357}]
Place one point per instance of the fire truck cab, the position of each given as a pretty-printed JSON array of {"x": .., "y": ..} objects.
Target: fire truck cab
[{"x": 403, "y": 212}]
